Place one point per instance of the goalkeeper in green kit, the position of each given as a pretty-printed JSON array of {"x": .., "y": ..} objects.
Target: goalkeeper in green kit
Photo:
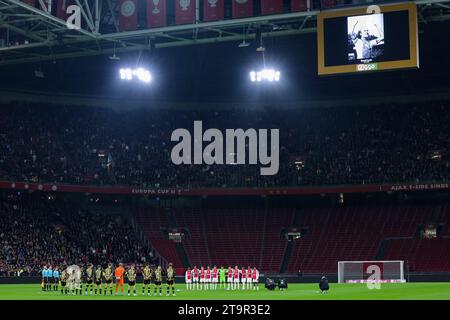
[{"x": 222, "y": 279}]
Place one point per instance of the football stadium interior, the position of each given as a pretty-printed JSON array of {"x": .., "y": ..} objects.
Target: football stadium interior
[{"x": 295, "y": 140}]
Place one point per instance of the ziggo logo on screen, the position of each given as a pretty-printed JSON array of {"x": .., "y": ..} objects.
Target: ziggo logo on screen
[{"x": 367, "y": 67}]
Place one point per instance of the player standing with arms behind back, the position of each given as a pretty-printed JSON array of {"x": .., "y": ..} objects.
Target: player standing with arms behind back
[
  {"x": 249, "y": 278},
  {"x": 89, "y": 279},
  {"x": 229, "y": 278},
  {"x": 170, "y": 279},
  {"x": 236, "y": 278},
  {"x": 158, "y": 280},
  {"x": 64, "y": 276},
  {"x": 188, "y": 279},
  {"x": 243, "y": 277},
  {"x": 131, "y": 275},
  {"x": 215, "y": 278},
  {"x": 108, "y": 275},
  {"x": 255, "y": 279},
  {"x": 207, "y": 278},
  {"x": 78, "y": 280},
  {"x": 195, "y": 278},
  {"x": 202, "y": 277},
  {"x": 98, "y": 279},
  {"x": 147, "y": 273}
]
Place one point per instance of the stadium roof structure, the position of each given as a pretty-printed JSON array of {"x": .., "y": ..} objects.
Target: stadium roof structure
[{"x": 40, "y": 36}]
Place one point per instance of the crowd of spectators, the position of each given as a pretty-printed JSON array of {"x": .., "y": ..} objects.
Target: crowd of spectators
[
  {"x": 37, "y": 231},
  {"x": 321, "y": 146}
]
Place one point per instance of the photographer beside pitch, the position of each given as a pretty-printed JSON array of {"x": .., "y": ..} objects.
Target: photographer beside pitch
[{"x": 323, "y": 285}]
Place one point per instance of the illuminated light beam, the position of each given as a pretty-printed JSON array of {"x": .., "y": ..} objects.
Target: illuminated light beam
[
  {"x": 270, "y": 75},
  {"x": 139, "y": 73}
]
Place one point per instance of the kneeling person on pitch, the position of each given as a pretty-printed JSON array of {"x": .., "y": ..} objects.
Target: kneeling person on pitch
[{"x": 323, "y": 285}]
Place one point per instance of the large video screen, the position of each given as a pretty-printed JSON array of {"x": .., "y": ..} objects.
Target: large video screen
[{"x": 355, "y": 41}]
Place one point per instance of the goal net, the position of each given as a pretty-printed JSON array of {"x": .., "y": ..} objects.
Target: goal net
[{"x": 370, "y": 271}]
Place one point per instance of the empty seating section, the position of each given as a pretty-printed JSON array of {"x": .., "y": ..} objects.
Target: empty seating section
[
  {"x": 195, "y": 243},
  {"x": 445, "y": 219},
  {"x": 422, "y": 255},
  {"x": 425, "y": 255},
  {"x": 151, "y": 222},
  {"x": 234, "y": 237},
  {"x": 247, "y": 237},
  {"x": 243, "y": 237},
  {"x": 252, "y": 237},
  {"x": 274, "y": 245},
  {"x": 351, "y": 233},
  {"x": 308, "y": 246}
]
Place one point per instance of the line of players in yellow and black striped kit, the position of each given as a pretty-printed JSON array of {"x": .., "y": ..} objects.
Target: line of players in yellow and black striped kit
[{"x": 100, "y": 281}]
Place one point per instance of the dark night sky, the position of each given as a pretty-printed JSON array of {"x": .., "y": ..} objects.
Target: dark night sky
[{"x": 220, "y": 72}]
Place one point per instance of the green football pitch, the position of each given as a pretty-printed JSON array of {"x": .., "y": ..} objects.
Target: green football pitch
[{"x": 393, "y": 291}]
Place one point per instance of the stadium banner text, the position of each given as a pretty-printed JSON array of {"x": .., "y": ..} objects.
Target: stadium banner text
[{"x": 50, "y": 187}]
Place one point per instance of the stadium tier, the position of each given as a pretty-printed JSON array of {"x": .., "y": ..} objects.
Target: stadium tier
[
  {"x": 354, "y": 233},
  {"x": 41, "y": 229},
  {"x": 424, "y": 255},
  {"x": 38, "y": 230},
  {"x": 256, "y": 237},
  {"x": 332, "y": 146},
  {"x": 397, "y": 144},
  {"x": 248, "y": 237}
]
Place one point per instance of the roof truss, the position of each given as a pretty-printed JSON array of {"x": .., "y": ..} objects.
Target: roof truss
[{"x": 31, "y": 34}]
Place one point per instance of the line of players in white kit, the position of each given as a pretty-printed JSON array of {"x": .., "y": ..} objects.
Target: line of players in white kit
[{"x": 231, "y": 278}]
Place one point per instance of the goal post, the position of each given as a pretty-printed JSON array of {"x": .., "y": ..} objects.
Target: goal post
[{"x": 371, "y": 271}]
